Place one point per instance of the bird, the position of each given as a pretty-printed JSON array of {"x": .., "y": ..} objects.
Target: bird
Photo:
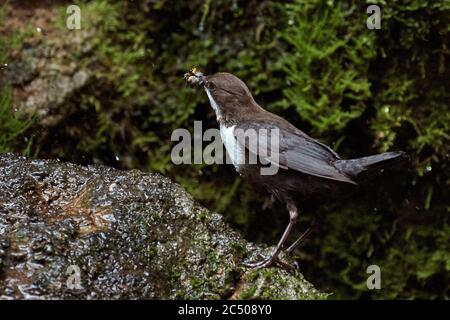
[{"x": 303, "y": 167}]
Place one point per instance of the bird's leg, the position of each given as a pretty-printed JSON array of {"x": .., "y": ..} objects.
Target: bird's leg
[
  {"x": 273, "y": 258},
  {"x": 301, "y": 238}
]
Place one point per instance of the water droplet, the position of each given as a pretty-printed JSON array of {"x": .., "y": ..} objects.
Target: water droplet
[
  {"x": 117, "y": 157},
  {"x": 112, "y": 187}
]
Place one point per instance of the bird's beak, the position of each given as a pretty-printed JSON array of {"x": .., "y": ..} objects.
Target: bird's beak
[{"x": 194, "y": 77}]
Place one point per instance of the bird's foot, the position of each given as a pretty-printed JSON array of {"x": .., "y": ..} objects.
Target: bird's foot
[
  {"x": 265, "y": 263},
  {"x": 272, "y": 260}
]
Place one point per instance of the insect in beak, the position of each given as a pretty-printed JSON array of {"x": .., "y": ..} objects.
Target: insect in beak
[{"x": 194, "y": 77}]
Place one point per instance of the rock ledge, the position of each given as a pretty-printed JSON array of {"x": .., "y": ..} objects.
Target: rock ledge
[{"x": 72, "y": 232}]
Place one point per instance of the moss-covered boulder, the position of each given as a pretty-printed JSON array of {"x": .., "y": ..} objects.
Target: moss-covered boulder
[{"x": 94, "y": 232}]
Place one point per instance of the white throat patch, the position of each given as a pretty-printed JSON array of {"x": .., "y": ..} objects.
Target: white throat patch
[
  {"x": 234, "y": 150},
  {"x": 214, "y": 104}
]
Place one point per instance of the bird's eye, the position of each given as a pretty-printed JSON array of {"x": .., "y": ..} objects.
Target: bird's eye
[{"x": 210, "y": 86}]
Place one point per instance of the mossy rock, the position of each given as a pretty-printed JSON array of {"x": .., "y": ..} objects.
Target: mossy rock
[{"x": 123, "y": 235}]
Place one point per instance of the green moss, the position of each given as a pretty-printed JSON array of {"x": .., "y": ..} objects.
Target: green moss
[
  {"x": 239, "y": 247},
  {"x": 274, "y": 284},
  {"x": 12, "y": 125},
  {"x": 202, "y": 216},
  {"x": 196, "y": 282},
  {"x": 152, "y": 252},
  {"x": 322, "y": 92},
  {"x": 248, "y": 294}
]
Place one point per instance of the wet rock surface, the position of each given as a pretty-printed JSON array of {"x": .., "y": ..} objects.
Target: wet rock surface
[{"x": 95, "y": 232}]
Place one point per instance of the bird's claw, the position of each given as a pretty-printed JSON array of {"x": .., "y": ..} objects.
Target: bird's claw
[
  {"x": 269, "y": 262},
  {"x": 266, "y": 263}
]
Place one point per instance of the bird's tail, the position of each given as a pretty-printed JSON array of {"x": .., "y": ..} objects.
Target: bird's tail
[{"x": 370, "y": 164}]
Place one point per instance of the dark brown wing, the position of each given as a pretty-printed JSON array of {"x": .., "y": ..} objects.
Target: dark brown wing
[{"x": 289, "y": 148}]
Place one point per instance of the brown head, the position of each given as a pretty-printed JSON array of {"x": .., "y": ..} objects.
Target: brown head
[{"x": 229, "y": 96}]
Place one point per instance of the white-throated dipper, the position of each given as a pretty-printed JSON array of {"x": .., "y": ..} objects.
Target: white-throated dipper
[{"x": 305, "y": 168}]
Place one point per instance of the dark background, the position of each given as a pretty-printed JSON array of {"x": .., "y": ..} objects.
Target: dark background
[{"x": 113, "y": 92}]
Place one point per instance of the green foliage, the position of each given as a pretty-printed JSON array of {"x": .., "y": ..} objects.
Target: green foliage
[
  {"x": 413, "y": 255},
  {"x": 411, "y": 85},
  {"x": 327, "y": 72},
  {"x": 11, "y": 126},
  {"x": 315, "y": 63},
  {"x": 398, "y": 86}
]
